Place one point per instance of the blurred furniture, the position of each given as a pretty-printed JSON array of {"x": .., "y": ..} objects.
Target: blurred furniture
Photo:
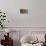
[
  {"x": 28, "y": 39},
  {"x": 8, "y": 41},
  {"x": 44, "y": 44}
]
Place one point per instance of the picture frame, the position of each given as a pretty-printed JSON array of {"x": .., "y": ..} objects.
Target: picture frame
[{"x": 23, "y": 11}]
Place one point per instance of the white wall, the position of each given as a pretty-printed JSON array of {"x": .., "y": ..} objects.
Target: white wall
[
  {"x": 39, "y": 13},
  {"x": 12, "y": 9},
  {"x": 35, "y": 17}
]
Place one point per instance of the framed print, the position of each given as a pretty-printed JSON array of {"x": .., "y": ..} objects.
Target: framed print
[{"x": 23, "y": 11}]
